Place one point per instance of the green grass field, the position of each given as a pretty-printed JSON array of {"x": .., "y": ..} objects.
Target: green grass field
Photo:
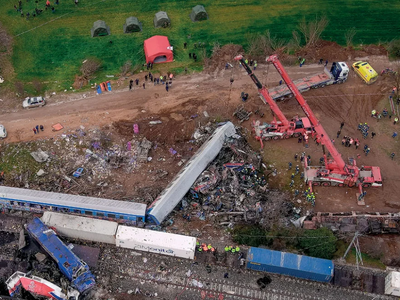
[{"x": 52, "y": 46}]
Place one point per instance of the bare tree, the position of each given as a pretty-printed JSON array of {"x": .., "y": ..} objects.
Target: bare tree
[
  {"x": 295, "y": 42},
  {"x": 89, "y": 67},
  {"x": 126, "y": 68},
  {"x": 312, "y": 30},
  {"x": 273, "y": 42},
  {"x": 349, "y": 36},
  {"x": 254, "y": 44}
]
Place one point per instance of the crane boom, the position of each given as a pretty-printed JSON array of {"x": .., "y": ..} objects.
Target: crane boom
[
  {"x": 264, "y": 92},
  {"x": 338, "y": 162}
]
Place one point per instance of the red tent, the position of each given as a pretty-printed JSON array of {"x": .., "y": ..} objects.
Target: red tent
[{"x": 157, "y": 50}]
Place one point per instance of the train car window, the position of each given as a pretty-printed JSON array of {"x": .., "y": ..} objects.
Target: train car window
[
  {"x": 77, "y": 211},
  {"x": 89, "y": 213},
  {"x": 121, "y": 217},
  {"x": 111, "y": 216},
  {"x": 21, "y": 203},
  {"x": 12, "y": 202},
  {"x": 99, "y": 214}
]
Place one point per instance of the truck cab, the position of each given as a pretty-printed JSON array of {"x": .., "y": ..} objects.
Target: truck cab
[{"x": 340, "y": 71}]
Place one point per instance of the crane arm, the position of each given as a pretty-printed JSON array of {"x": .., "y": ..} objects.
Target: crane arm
[
  {"x": 322, "y": 135},
  {"x": 264, "y": 92}
]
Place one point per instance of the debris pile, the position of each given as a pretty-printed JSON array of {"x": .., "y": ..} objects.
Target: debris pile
[{"x": 234, "y": 189}]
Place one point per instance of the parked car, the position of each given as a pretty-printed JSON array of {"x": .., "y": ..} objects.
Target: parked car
[
  {"x": 3, "y": 132},
  {"x": 33, "y": 102}
]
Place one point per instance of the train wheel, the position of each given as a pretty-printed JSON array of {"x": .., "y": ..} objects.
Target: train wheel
[{"x": 326, "y": 184}]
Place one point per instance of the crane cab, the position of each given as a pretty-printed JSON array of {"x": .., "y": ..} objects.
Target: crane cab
[{"x": 339, "y": 71}]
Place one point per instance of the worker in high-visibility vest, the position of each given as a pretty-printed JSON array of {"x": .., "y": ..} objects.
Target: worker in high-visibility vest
[
  {"x": 233, "y": 250},
  {"x": 237, "y": 249},
  {"x": 373, "y": 113},
  {"x": 200, "y": 249},
  {"x": 205, "y": 248},
  {"x": 197, "y": 243},
  {"x": 230, "y": 248},
  {"x": 226, "y": 249},
  {"x": 209, "y": 246}
]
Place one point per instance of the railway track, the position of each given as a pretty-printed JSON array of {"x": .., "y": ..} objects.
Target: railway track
[{"x": 174, "y": 281}]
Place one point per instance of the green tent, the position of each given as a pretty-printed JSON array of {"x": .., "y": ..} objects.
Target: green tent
[
  {"x": 198, "y": 13},
  {"x": 161, "y": 19},
  {"x": 100, "y": 28},
  {"x": 132, "y": 24}
]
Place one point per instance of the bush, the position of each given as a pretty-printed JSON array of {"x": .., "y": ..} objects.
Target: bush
[
  {"x": 318, "y": 243},
  {"x": 249, "y": 235},
  {"x": 394, "y": 49},
  {"x": 89, "y": 67}
]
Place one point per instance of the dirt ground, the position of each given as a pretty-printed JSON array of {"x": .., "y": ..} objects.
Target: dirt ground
[{"x": 181, "y": 110}]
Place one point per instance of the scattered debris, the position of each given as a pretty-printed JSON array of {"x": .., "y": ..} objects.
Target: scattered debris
[
  {"x": 242, "y": 114},
  {"x": 40, "y": 156}
]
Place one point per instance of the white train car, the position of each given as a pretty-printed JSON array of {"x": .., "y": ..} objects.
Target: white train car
[
  {"x": 156, "y": 242},
  {"x": 82, "y": 228}
]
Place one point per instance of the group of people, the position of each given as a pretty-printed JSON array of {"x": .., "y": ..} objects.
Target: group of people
[
  {"x": 37, "y": 11},
  {"x": 36, "y": 129},
  {"x": 364, "y": 128},
  {"x": 204, "y": 247},
  {"x": 385, "y": 113},
  {"x": 167, "y": 80},
  {"x": 348, "y": 141},
  {"x": 310, "y": 197},
  {"x": 251, "y": 63}
]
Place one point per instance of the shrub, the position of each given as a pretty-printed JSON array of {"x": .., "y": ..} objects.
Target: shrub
[{"x": 318, "y": 243}]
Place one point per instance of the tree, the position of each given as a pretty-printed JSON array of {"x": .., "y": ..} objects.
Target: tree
[
  {"x": 249, "y": 235},
  {"x": 394, "y": 48},
  {"x": 349, "y": 36},
  {"x": 318, "y": 243},
  {"x": 89, "y": 67},
  {"x": 312, "y": 30}
]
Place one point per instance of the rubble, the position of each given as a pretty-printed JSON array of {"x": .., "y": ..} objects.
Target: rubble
[
  {"x": 40, "y": 156},
  {"x": 234, "y": 189},
  {"x": 242, "y": 114}
]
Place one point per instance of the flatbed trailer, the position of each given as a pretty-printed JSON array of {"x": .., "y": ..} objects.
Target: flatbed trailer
[{"x": 336, "y": 75}]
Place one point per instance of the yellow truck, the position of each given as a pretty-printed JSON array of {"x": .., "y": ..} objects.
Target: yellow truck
[{"x": 365, "y": 71}]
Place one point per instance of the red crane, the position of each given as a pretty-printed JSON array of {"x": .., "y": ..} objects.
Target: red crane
[
  {"x": 276, "y": 129},
  {"x": 336, "y": 171}
]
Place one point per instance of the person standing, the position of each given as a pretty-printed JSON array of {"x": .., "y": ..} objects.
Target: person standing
[
  {"x": 255, "y": 65},
  {"x": 34, "y": 130},
  {"x": 341, "y": 125},
  {"x": 184, "y": 45},
  {"x": 37, "y": 128},
  {"x": 338, "y": 134},
  {"x": 166, "y": 87},
  {"x": 144, "y": 85},
  {"x": 326, "y": 63},
  {"x": 392, "y": 155},
  {"x": 76, "y": 2},
  {"x": 137, "y": 81},
  {"x": 130, "y": 84}
]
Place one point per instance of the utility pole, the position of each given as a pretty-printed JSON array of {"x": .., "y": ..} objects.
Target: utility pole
[{"x": 356, "y": 244}]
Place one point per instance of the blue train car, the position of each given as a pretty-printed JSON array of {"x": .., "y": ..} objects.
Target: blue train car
[
  {"x": 70, "y": 265},
  {"x": 39, "y": 202},
  {"x": 284, "y": 263}
]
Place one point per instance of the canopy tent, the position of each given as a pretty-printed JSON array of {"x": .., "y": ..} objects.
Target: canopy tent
[
  {"x": 132, "y": 24},
  {"x": 100, "y": 28},
  {"x": 161, "y": 19},
  {"x": 157, "y": 50},
  {"x": 198, "y": 13}
]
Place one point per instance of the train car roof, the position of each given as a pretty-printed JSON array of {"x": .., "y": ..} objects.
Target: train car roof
[{"x": 72, "y": 201}]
